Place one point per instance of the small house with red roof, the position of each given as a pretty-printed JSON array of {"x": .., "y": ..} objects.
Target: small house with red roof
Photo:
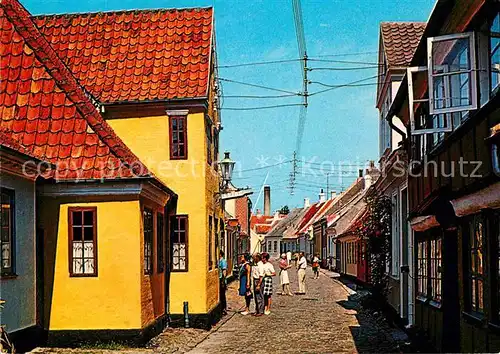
[
  {"x": 101, "y": 216},
  {"x": 152, "y": 74}
]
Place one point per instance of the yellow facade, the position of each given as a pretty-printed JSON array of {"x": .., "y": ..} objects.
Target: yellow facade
[
  {"x": 196, "y": 184},
  {"x": 112, "y": 300}
]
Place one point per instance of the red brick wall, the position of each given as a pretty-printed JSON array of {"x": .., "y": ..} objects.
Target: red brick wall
[{"x": 242, "y": 214}]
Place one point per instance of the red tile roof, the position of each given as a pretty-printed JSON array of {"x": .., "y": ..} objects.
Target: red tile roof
[
  {"x": 313, "y": 209},
  {"x": 44, "y": 109},
  {"x": 7, "y": 141},
  {"x": 263, "y": 229},
  {"x": 135, "y": 55},
  {"x": 260, "y": 219},
  {"x": 400, "y": 40}
]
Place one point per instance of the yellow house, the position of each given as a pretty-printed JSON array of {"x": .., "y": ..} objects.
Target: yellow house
[
  {"x": 101, "y": 262},
  {"x": 152, "y": 71}
]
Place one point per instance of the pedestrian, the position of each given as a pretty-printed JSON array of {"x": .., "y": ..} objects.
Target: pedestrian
[
  {"x": 301, "y": 273},
  {"x": 267, "y": 288},
  {"x": 222, "y": 281},
  {"x": 284, "y": 279},
  {"x": 257, "y": 277},
  {"x": 315, "y": 266},
  {"x": 245, "y": 279},
  {"x": 289, "y": 256}
]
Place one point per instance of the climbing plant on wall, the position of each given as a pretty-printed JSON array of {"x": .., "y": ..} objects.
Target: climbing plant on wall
[{"x": 376, "y": 230}]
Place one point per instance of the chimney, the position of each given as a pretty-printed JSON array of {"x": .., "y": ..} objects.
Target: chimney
[
  {"x": 321, "y": 196},
  {"x": 267, "y": 200},
  {"x": 368, "y": 181},
  {"x": 333, "y": 195},
  {"x": 306, "y": 203}
]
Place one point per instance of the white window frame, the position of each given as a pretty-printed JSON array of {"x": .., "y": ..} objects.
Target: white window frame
[
  {"x": 472, "y": 72},
  {"x": 412, "y": 101}
]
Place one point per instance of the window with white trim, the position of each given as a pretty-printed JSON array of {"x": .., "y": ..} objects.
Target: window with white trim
[{"x": 440, "y": 101}]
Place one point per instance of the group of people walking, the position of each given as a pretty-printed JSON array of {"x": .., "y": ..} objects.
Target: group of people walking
[{"x": 256, "y": 280}]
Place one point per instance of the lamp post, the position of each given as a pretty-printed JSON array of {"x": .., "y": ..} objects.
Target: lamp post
[{"x": 226, "y": 167}]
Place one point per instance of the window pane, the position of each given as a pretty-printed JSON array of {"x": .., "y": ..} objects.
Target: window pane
[
  {"x": 88, "y": 233},
  {"x": 495, "y": 52},
  {"x": 88, "y": 218},
  {"x": 77, "y": 218},
  {"x": 450, "y": 55},
  {"x": 77, "y": 233}
]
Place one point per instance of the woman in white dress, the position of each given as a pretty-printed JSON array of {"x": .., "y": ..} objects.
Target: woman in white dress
[{"x": 284, "y": 279}]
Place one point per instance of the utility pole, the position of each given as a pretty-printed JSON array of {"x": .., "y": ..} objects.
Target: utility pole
[{"x": 327, "y": 184}]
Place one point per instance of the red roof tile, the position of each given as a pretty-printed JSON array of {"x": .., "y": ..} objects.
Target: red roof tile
[
  {"x": 135, "y": 55},
  {"x": 304, "y": 223},
  {"x": 43, "y": 107},
  {"x": 260, "y": 219},
  {"x": 7, "y": 141},
  {"x": 262, "y": 229},
  {"x": 400, "y": 40}
]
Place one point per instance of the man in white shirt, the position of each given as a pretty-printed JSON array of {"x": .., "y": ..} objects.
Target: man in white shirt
[
  {"x": 301, "y": 273},
  {"x": 258, "y": 273},
  {"x": 289, "y": 257}
]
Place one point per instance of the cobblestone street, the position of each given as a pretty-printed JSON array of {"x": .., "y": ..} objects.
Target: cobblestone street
[{"x": 322, "y": 321}]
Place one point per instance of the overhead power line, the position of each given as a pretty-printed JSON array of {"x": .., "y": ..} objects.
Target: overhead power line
[
  {"x": 345, "y": 54},
  {"x": 261, "y": 107},
  {"x": 345, "y": 85},
  {"x": 259, "y": 86},
  {"x": 256, "y": 96},
  {"x": 345, "y": 69},
  {"x": 264, "y": 167},
  {"x": 258, "y": 63},
  {"x": 345, "y": 62}
]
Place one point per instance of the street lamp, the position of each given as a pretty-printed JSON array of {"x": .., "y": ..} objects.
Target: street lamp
[{"x": 226, "y": 167}]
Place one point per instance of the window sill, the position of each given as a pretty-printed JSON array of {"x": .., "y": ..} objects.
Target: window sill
[
  {"x": 421, "y": 299},
  {"x": 8, "y": 276},
  {"x": 474, "y": 318},
  {"x": 83, "y": 275},
  {"x": 435, "y": 304}
]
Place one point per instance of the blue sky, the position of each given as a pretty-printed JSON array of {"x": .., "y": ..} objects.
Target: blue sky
[{"x": 341, "y": 125}]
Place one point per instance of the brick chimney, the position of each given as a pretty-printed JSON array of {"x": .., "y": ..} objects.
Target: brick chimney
[{"x": 267, "y": 200}]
